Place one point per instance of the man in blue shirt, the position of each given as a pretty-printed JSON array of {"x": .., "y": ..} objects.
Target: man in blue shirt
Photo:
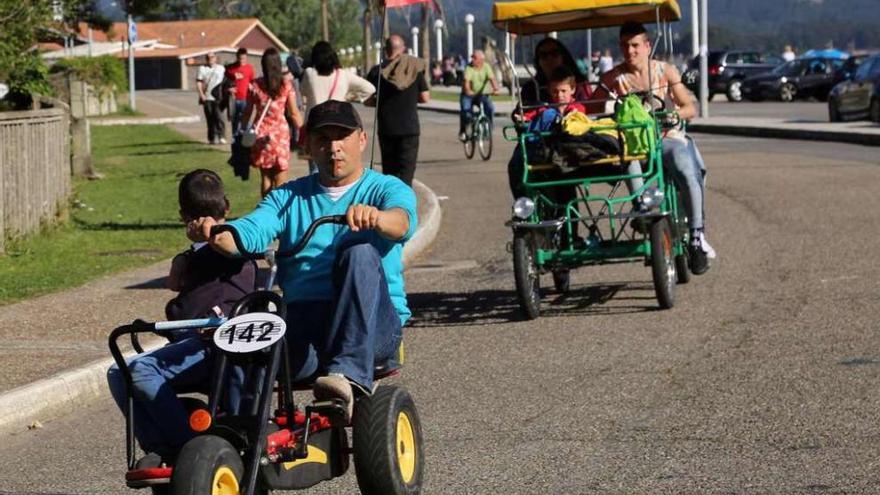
[{"x": 345, "y": 289}]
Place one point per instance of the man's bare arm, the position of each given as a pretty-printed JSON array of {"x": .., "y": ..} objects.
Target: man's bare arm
[{"x": 680, "y": 94}]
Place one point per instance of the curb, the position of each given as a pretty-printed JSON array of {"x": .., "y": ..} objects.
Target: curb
[
  {"x": 69, "y": 390},
  {"x": 428, "y": 227},
  {"x": 779, "y": 133},
  {"x": 188, "y": 119},
  {"x": 455, "y": 111},
  {"x": 744, "y": 130}
]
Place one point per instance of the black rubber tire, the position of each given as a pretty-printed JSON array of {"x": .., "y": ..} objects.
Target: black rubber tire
[
  {"x": 561, "y": 280},
  {"x": 199, "y": 460},
  {"x": 375, "y": 443},
  {"x": 527, "y": 276},
  {"x": 788, "y": 92},
  {"x": 682, "y": 270},
  {"x": 663, "y": 263},
  {"x": 734, "y": 91},
  {"x": 485, "y": 140},
  {"x": 874, "y": 110},
  {"x": 833, "y": 111},
  {"x": 469, "y": 142}
]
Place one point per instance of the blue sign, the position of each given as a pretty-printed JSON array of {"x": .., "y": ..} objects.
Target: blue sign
[{"x": 132, "y": 33}]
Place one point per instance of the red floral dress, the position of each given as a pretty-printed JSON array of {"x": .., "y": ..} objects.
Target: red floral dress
[{"x": 272, "y": 148}]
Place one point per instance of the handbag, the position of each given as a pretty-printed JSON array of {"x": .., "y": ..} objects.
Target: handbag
[{"x": 250, "y": 136}]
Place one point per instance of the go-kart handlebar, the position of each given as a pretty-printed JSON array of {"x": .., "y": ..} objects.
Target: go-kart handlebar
[{"x": 336, "y": 219}]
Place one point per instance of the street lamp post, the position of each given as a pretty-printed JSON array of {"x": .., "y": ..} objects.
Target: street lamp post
[
  {"x": 469, "y": 20},
  {"x": 695, "y": 29},
  {"x": 415, "y": 40},
  {"x": 438, "y": 30},
  {"x": 704, "y": 59}
]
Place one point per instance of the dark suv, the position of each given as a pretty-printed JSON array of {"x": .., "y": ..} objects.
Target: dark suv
[{"x": 727, "y": 69}]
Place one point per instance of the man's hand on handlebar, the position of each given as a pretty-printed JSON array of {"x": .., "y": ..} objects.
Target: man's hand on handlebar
[
  {"x": 362, "y": 217},
  {"x": 199, "y": 230}
]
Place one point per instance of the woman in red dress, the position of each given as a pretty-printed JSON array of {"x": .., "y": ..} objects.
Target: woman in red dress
[{"x": 271, "y": 151}]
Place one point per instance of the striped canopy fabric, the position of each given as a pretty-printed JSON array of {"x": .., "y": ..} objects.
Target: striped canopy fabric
[{"x": 543, "y": 16}]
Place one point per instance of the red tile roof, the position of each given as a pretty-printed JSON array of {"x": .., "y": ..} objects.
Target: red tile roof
[{"x": 187, "y": 34}]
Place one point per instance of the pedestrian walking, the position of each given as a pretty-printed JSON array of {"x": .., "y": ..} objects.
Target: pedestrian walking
[
  {"x": 268, "y": 98},
  {"x": 325, "y": 79},
  {"x": 209, "y": 83},
  {"x": 402, "y": 86},
  {"x": 239, "y": 74}
]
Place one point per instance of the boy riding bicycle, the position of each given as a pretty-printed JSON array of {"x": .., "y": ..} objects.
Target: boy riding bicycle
[
  {"x": 208, "y": 285},
  {"x": 477, "y": 77}
]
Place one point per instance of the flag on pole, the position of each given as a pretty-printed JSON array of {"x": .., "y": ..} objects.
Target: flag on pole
[{"x": 403, "y": 3}]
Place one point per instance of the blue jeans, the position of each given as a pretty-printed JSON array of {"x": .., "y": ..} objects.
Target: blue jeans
[
  {"x": 352, "y": 333},
  {"x": 467, "y": 103},
  {"x": 237, "y": 112},
  {"x": 161, "y": 423},
  {"x": 682, "y": 158}
]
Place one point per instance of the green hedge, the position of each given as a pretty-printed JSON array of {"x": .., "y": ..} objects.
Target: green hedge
[{"x": 105, "y": 73}]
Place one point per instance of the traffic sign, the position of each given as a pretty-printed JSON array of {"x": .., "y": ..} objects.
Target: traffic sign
[{"x": 132, "y": 33}]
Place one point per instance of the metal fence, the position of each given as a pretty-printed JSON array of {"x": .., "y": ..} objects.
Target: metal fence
[{"x": 34, "y": 170}]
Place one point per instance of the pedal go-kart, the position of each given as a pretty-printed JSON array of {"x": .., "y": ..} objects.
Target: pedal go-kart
[
  {"x": 546, "y": 219},
  {"x": 271, "y": 443}
]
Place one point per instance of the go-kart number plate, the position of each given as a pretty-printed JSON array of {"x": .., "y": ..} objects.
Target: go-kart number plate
[{"x": 249, "y": 332}]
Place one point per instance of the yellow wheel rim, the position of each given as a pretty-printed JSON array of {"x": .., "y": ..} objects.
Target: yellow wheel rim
[
  {"x": 225, "y": 482},
  {"x": 406, "y": 447}
]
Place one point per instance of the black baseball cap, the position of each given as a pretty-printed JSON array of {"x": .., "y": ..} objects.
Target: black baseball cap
[{"x": 335, "y": 113}]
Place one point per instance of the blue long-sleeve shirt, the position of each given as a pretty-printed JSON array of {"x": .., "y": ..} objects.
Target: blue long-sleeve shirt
[{"x": 286, "y": 213}]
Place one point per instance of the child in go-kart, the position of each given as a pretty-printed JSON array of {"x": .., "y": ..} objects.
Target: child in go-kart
[{"x": 208, "y": 285}]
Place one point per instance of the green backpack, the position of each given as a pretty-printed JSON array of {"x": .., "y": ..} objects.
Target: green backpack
[{"x": 630, "y": 111}]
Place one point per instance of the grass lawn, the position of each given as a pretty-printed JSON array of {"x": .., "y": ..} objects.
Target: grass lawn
[
  {"x": 128, "y": 219},
  {"x": 443, "y": 96}
]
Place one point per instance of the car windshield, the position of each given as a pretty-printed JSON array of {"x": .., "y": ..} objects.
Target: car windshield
[{"x": 788, "y": 68}]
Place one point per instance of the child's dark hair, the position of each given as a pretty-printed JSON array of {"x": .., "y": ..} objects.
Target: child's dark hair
[
  {"x": 201, "y": 194},
  {"x": 563, "y": 74}
]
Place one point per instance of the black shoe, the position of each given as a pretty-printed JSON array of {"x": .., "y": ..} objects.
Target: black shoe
[{"x": 699, "y": 262}]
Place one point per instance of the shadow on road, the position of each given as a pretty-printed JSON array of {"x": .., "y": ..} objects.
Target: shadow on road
[{"x": 493, "y": 307}]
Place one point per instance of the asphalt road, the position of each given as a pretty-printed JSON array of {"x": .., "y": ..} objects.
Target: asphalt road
[{"x": 762, "y": 379}]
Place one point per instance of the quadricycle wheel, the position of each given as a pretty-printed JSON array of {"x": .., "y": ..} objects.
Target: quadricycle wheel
[
  {"x": 526, "y": 275},
  {"x": 663, "y": 262},
  {"x": 388, "y": 449}
]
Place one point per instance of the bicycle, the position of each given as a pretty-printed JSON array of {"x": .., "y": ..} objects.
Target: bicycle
[{"x": 478, "y": 133}]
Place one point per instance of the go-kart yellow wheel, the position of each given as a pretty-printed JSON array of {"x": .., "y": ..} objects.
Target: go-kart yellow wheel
[
  {"x": 387, "y": 437},
  {"x": 207, "y": 465}
]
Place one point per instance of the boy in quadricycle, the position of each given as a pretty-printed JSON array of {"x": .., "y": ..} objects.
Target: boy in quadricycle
[
  {"x": 208, "y": 285},
  {"x": 561, "y": 87}
]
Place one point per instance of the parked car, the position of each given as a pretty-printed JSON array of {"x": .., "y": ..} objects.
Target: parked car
[
  {"x": 727, "y": 70},
  {"x": 859, "y": 95},
  {"x": 800, "y": 78}
]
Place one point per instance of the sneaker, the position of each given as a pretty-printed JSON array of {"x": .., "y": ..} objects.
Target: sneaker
[
  {"x": 639, "y": 224},
  {"x": 699, "y": 261},
  {"x": 710, "y": 253},
  {"x": 335, "y": 386},
  {"x": 223, "y": 141},
  {"x": 462, "y": 137}
]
